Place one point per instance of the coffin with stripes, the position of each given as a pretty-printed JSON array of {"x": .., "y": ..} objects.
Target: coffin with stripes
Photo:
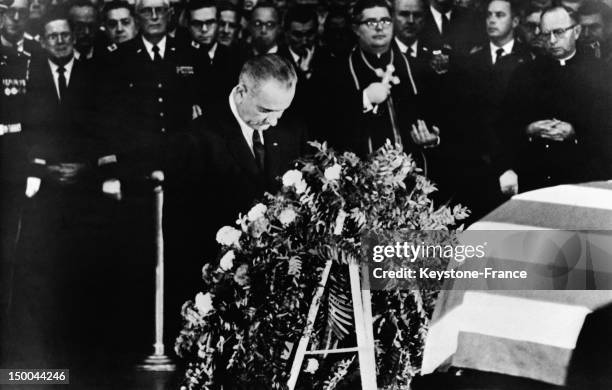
[{"x": 527, "y": 333}]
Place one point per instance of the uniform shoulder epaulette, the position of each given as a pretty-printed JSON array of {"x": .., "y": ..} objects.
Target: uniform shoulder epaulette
[
  {"x": 475, "y": 49},
  {"x": 111, "y": 48},
  {"x": 195, "y": 44}
]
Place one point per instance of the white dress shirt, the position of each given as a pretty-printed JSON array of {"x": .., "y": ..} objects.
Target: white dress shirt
[
  {"x": 67, "y": 73},
  {"x": 507, "y": 49},
  {"x": 149, "y": 46},
  {"x": 212, "y": 51},
  {"x": 438, "y": 17},
  {"x": 247, "y": 131},
  {"x": 404, "y": 48}
]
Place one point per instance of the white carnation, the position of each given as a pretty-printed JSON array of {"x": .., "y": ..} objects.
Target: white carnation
[
  {"x": 333, "y": 173},
  {"x": 227, "y": 261},
  {"x": 257, "y": 211},
  {"x": 287, "y": 216},
  {"x": 292, "y": 178},
  {"x": 312, "y": 366},
  {"x": 229, "y": 236},
  {"x": 203, "y": 302}
]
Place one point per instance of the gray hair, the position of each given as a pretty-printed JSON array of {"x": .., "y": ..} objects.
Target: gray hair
[
  {"x": 268, "y": 67},
  {"x": 138, "y": 4}
]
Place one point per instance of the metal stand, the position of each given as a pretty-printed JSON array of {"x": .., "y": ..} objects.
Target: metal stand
[
  {"x": 362, "y": 309},
  {"x": 158, "y": 361}
]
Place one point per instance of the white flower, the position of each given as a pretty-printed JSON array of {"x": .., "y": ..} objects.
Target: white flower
[
  {"x": 312, "y": 366},
  {"x": 257, "y": 211},
  {"x": 203, "y": 302},
  {"x": 292, "y": 178},
  {"x": 287, "y": 216},
  {"x": 229, "y": 236},
  {"x": 333, "y": 173},
  {"x": 227, "y": 261},
  {"x": 300, "y": 187}
]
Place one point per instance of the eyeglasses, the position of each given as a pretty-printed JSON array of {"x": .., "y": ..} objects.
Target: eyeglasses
[
  {"x": 258, "y": 24},
  {"x": 557, "y": 33},
  {"x": 199, "y": 24},
  {"x": 302, "y": 34},
  {"x": 377, "y": 23},
  {"x": 149, "y": 12},
  {"x": 54, "y": 37}
]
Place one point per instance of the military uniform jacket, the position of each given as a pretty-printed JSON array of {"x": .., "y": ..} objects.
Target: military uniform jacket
[
  {"x": 14, "y": 74},
  {"x": 144, "y": 101},
  {"x": 544, "y": 89}
]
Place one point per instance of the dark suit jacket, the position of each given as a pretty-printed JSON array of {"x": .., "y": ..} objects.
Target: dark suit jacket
[
  {"x": 61, "y": 131},
  {"x": 466, "y": 30}
]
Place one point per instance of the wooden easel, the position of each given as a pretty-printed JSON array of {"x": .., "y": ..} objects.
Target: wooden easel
[{"x": 362, "y": 309}]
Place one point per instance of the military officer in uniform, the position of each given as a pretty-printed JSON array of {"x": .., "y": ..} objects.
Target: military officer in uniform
[
  {"x": 150, "y": 95},
  {"x": 119, "y": 23},
  {"x": 12, "y": 31}
]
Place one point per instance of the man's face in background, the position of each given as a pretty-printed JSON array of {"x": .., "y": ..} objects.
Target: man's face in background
[
  {"x": 14, "y": 20},
  {"x": 58, "y": 40},
  {"x": 264, "y": 28},
  {"x": 228, "y": 28},
  {"x": 593, "y": 29},
  {"x": 301, "y": 36},
  {"x": 560, "y": 33},
  {"x": 408, "y": 20},
  {"x": 84, "y": 20},
  {"x": 203, "y": 25},
  {"x": 120, "y": 25},
  {"x": 153, "y": 16}
]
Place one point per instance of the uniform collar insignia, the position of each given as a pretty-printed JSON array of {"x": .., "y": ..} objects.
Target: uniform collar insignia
[{"x": 111, "y": 47}]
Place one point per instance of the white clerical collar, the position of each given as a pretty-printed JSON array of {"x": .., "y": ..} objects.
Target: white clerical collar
[
  {"x": 247, "y": 131},
  {"x": 273, "y": 50},
  {"x": 438, "y": 16},
  {"x": 212, "y": 51},
  {"x": 6, "y": 43},
  {"x": 149, "y": 46},
  {"x": 507, "y": 49},
  {"x": 564, "y": 61}
]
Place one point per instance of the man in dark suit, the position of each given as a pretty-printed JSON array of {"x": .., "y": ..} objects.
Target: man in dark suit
[
  {"x": 549, "y": 136},
  {"x": 409, "y": 22},
  {"x": 488, "y": 69},
  {"x": 451, "y": 29},
  {"x": 308, "y": 59},
  {"x": 67, "y": 218},
  {"x": 264, "y": 30},
  {"x": 219, "y": 64},
  {"x": 237, "y": 154}
]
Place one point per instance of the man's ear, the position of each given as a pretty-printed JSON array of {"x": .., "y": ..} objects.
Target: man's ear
[
  {"x": 515, "y": 21},
  {"x": 577, "y": 30},
  {"x": 241, "y": 91}
]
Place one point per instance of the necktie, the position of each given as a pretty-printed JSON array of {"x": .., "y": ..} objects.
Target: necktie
[
  {"x": 156, "y": 56},
  {"x": 259, "y": 150},
  {"x": 445, "y": 25},
  {"x": 498, "y": 54},
  {"x": 61, "y": 82}
]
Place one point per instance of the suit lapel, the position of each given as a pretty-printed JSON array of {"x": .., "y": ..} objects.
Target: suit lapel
[
  {"x": 273, "y": 139},
  {"x": 238, "y": 147}
]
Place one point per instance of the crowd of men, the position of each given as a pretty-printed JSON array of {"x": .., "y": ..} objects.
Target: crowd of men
[{"x": 490, "y": 98}]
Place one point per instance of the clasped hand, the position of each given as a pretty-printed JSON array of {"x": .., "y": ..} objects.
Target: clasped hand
[{"x": 552, "y": 129}]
